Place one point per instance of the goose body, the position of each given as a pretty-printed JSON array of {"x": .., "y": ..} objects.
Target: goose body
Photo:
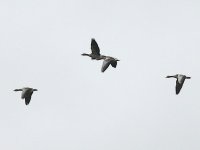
[
  {"x": 26, "y": 94},
  {"x": 97, "y": 56},
  {"x": 180, "y": 79}
]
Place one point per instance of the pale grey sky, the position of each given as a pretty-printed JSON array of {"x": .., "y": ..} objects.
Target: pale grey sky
[{"x": 79, "y": 108}]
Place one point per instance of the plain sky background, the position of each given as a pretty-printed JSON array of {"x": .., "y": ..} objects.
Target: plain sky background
[{"x": 79, "y": 108}]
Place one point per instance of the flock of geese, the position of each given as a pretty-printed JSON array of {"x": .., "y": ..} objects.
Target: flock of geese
[{"x": 108, "y": 60}]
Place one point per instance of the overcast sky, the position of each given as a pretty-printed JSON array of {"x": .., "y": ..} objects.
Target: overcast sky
[{"x": 79, "y": 108}]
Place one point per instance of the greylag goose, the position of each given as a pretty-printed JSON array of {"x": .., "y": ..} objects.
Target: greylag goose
[
  {"x": 179, "y": 81},
  {"x": 95, "y": 51},
  {"x": 26, "y": 94},
  {"x": 107, "y": 61}
]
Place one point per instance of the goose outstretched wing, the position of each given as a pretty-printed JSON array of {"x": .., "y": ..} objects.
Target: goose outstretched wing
[
  {"x": 179, "y": 85},
  {"x": 105, "y": 65},
  {"x": 114, "y": 63},
  {"x": 28, "y": 98},
  {"x": 94, "y": 47}
]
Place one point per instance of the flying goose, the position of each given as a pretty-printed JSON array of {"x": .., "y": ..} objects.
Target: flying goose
[
  {"x": 96, "y": 55},
  {"x": 26, "y": 94},
  {"x": 95, "y": 51},
  {"x": 107, "y": 61},
  {"x": 179, "y": 81}
]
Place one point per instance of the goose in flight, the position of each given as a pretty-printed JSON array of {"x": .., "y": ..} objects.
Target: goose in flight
[
  {"x": 97, "y": 56},
  {"x": 179, "y": 81},
  {"x": 95, "y": 51},
  {"x": 26, "y": 94},
  {"x": 107, "y": 61}
]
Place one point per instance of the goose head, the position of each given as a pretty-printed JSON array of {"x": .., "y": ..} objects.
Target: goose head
[
  {"x": 17, "y": 90},
  {"x": 84, "y": 54},
  {"x": 174, "y": 76}
]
